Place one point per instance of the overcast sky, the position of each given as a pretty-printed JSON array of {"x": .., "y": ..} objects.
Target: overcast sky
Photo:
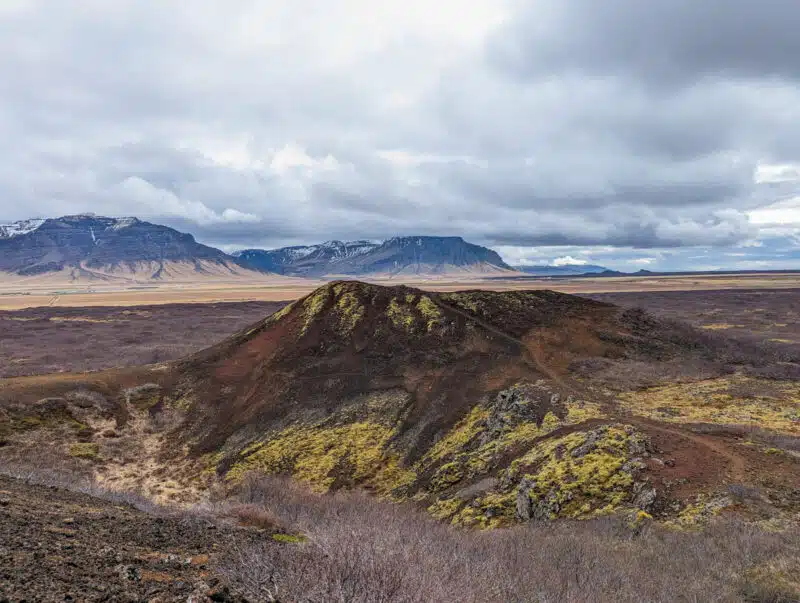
[{"x": 656, "y": 134}]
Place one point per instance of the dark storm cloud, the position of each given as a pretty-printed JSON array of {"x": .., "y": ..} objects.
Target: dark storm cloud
[
  {"x": 662, "y": 42},
  {"x": 559, "y": 123}
]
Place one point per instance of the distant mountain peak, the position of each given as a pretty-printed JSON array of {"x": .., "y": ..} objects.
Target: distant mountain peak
[
  {"x": 401, "y": 255},
  {"x": 88, "y": 242},
  {"x": 21, "y": 227}
]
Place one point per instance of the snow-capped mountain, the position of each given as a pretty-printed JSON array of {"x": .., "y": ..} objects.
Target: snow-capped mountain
[
  {"x": 15, "y": 229},
  {"x": 399, "y": 255},
  {"x": 92, "y": 242}
]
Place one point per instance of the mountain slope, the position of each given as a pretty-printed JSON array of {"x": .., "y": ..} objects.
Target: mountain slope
[
  {"x": 102, "y": 246},
  {"x": 399, "y": 256},
  {"x": 303, "y": 260}
]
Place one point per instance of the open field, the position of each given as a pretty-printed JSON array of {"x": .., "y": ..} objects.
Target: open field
[
  {"x": 478, "y": 410},
  {"x": 768, "y": 315},
  {"x": 47, "y": 340},
  {"x": 28, "y": 293},
  {"x": 52, "y": 339}
]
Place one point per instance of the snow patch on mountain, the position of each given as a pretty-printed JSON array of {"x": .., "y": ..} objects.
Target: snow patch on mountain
[{"x": 22, "y": 227}]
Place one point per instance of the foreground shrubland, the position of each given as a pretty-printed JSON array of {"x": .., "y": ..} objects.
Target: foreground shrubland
[{"x": 350, "y": 547}]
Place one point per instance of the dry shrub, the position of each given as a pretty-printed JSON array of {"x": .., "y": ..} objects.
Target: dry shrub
[
  {"x": 253, "y": 516},
  {"x": 362, "y": 550}
]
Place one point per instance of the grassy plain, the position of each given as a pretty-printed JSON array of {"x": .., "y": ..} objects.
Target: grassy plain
[{"x": 29, "y": 293}]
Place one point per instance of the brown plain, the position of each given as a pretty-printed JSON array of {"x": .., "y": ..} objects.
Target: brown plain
[{"x": 18, "y": 293}]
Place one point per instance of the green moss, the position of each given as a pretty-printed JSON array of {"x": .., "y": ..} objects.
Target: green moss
[
  {"x": 457, "y": 445},
  {"x": 85, "y": 450},
  {"x": 494, "y": 510},
  {"x": 289, "y": 538},
  {"x": 312, "y": 306},
  {"x": 30, "y": 422},
  {"x": 400, "y": 315},
  {"x": 579, "y": 485},
  {"x": 458, "y": 437},
  {"x": 773, "y": 405},
  {"x": 354, "y": 454},
  {"x": 446, "y": 476},
  {"x": 350, "y": 312},
  {"x": 445, "y": 508},
  {"x": 210, "y": 462},
  {"x": 276, "y": 316},
  {"x": 430, "y": 312},
  {"x": 700, "y": 511},
  {"x": 467, "y": 301}
]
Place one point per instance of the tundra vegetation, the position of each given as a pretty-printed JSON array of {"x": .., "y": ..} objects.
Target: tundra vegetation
[{"x": 476, "y": 446}]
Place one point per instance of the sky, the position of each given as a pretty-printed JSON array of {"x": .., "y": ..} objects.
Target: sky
[{"x": 662, "y": 135}]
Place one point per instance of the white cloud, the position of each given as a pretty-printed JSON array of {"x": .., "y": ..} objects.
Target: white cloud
[
  {"x": 150, "y": 200},
  {"x": 568, "y": 260},
  {"x": 256, "y": 123}
]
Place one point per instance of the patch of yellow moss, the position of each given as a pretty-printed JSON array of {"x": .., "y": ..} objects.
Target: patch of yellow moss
[
  {"x": 580, "y": 485},
  {"x": 447, "y": 475},
  {"x": 312, "y": 306},
  {"x": 494, "y": 510},
  {"x": 474, "y": 462},
  {"x": 354, "y": 453},
  {"x": 401, "y": 315},
  {"x": 715, "y": 401},
  {"x": 85, "y": 450},
  {"x": 281, "y": 313},
  {"x": 350, "y": 311},
  {"x": 444, "y": 508},
  {"x": 289, "y": 538},
  {"x": 468, "y": 301},
  {"x": 699, "y": 512},
  {"x": 775, "y": 580},
  {"x": 430, "y": 312},
  {"x": 209, "y": 462},
  {"x": 458, "y": 437}
]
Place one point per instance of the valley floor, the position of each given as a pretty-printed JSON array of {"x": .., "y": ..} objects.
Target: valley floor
[{"x": 17, "y": 293}]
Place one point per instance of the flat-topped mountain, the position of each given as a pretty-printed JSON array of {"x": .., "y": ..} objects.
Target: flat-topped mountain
[
  {"x": 399, "y": 256},
  {"x": 87, "y": 246},
  {"x": 90, "y": 245}
]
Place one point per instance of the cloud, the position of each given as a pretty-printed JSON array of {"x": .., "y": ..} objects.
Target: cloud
[
  {"x": 152, "y": 200},
  {"x": 568, "y": 260},
  {"x": 666, "y": 125}
]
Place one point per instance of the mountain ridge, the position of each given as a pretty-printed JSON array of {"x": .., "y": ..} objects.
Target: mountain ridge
[
  {"x": 92, "y": 246},
  {"x": 91, "y": 243},
  {"x": 402, "y": 255}
]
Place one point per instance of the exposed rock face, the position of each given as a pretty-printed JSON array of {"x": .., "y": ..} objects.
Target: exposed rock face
[
  {"x": 644, "y": 496},
  {"x": 524, "y": 503},
  {"x": 400, "y": 255}
]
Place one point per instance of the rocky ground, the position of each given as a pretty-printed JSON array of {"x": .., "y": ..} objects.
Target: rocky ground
[{"x": 57, "y": 545}]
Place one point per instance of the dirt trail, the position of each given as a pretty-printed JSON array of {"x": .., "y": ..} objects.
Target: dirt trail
[
  {"x": 736, "y": 462},
  {"x": 533, "y": 353}
]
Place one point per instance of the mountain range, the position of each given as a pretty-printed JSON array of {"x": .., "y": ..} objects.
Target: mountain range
[
  {"x": 90, "y": 246},
  {"x": 399, "y": 256},
  {"x": 566, "y": 270}
]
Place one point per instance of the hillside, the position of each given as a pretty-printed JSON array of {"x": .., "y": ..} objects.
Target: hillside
[
  {"x": 399, "y": 256},
  {"x": 485, "y": 408},
  {"x": 93, "y": 247}
]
